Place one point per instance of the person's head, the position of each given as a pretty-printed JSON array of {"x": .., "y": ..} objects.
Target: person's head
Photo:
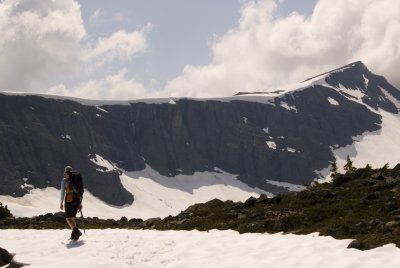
[{"x": 67, "y": 169}]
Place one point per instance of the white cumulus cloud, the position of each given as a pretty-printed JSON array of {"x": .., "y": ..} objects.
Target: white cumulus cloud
[
  {"x": 265, "y": 51},
  {"x": 120, "y": 46},
  {"x": 46, "y": 40},
  {"x": 112, "y": 87},
  {"x": 38, "y": 39}
]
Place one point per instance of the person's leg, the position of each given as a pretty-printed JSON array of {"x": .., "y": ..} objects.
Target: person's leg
[
  {"x": 76, "y": 233},
  {"x": 70, "y": 218},
  {"x": 71, "y": 222}
]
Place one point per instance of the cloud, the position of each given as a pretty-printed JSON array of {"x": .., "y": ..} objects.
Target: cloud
[
  {"x": 39, "y": 39},
  {"x": 264, "y": 51},
  {"x": 46, "y": 40},
  {"x": 120, "y": 46},
  {"x": 112, "y": 87},
  {"x": 95, "y": 16}
]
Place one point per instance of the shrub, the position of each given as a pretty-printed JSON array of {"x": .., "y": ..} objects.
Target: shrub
[{"x": 4, "y": 212}]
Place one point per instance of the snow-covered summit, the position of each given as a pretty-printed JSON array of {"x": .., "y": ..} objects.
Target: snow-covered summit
[{"x": 353, "y": 81}]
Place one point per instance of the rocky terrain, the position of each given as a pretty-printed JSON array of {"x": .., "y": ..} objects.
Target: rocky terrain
[{"x": 362, "y": 204}]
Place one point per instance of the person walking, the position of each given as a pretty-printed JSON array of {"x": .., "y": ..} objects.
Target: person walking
[{"x": 71, "y": 196}]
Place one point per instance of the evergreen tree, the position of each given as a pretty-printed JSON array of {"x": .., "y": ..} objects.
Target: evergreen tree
[
  {"x": 386, "y": 166},
  {"x": 4, "y": 212},
  {"x": 333, "y": 169},
  {"x": 349, "y": 165}
]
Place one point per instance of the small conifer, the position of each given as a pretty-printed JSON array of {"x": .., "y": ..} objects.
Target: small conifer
[
  {"x": 4, "y": 212},
  {"x": 333, "y": 169},
  {"x": 386, "y": 166},
  {"x": 349, "y": 165}
]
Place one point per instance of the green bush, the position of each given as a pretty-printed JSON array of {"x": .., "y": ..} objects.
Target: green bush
[{"x": 4, "y": 212}]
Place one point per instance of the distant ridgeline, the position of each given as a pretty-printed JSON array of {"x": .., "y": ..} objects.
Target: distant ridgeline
[{"x": 282, "y": 135}]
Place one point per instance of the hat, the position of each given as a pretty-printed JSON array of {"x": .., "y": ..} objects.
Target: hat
[{"x": 68, "y": 168}]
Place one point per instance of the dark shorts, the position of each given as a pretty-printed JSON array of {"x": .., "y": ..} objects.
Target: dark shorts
[{"x": 71, "y": 208}]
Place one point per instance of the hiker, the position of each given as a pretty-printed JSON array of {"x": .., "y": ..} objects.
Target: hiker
[{"x": 71, "y": 194}]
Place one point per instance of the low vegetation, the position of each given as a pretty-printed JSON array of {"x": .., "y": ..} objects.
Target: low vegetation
[{"x": 4, "y": 212}]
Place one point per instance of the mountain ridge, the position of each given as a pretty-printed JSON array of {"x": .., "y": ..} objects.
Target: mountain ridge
[{"x": 280, "y": 137}]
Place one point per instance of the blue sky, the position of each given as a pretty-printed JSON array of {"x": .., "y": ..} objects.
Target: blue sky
[
  {"x": 187, "y": 48},
  {"x": 180, "y": 33}
]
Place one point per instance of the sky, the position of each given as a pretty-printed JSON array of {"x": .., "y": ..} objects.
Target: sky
[{"x": 121, "y": 50}]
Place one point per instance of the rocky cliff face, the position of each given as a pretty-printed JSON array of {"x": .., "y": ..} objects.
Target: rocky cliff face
[{"x": 279, "y": 136}]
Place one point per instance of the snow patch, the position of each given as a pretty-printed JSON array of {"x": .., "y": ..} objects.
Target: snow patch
[
  {"x": 271, "y": 145},
  {"x": 66, "y": 137},
  {"x": 101, "y": 109},
  {"x": 291, "y": 150},
  {"x": 289, "y": 186},
  {"x": 27, "y": 186},
  {"x": 323, "y": 175},
  {"x": 266, "y": 130},
  {"x": 391, "y": 98},
  {"x": 287, "y": 107},
  {"x": 101, "y": 162},
  {"x": 245, "y": 120},
  {"x": 366, "y": 81},
  {"x": 164, "y": 196},
  {"x": 374, "y": 148},
  {"x": 333, "y": 101},
  {"x": 155, "y": 195},
  {"x": 356, "y": 93}
]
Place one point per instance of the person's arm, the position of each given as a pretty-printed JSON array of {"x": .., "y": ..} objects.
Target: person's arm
[{"x": 62, "y": 193}]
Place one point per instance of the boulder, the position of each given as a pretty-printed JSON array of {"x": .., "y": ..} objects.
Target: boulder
[
  {"x": 377, "y": 176},
  {"x": 391, "y": 206},
  {"x": 5, "y": 257},
  {"x": 150, "y": 222},
  {"x": 355, "y": 244},
  {"x": 392, "y": 225},
  {"x": 339, "y": 180}
]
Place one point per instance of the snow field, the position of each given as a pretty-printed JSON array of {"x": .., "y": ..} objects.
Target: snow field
[{"x": 150, "y": 248}]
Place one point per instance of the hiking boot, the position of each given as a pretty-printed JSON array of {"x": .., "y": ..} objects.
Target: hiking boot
[
  {"x": 77, "y": 234},
  {"x": 72, "y": 234}
]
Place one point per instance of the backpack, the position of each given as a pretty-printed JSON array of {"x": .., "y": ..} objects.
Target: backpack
[{"x": 76, "y": 183}]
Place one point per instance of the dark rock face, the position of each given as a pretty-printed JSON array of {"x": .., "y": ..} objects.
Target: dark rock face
[{"x": 39, "y": 136}]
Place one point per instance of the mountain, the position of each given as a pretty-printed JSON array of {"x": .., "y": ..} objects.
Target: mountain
[{"x": 268, "y": 139}]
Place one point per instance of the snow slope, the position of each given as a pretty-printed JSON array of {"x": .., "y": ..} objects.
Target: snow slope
[
  {"x": 155, "y": 195},
  {"x": 374, "y": 148},
  {"x": 148, "y": 248}
]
